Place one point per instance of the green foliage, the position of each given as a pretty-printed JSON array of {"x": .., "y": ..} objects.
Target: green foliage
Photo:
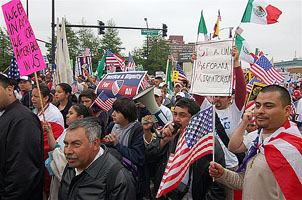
[
  {"x": 158, "y": 54},
  {"x": 111, "y": 39},
  {"x": 6, "y": 50}
]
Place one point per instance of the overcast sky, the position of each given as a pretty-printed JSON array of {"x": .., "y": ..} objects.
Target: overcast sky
[{"x": 280, "y": 41}]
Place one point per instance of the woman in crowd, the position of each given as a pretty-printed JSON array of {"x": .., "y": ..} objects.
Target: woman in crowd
[
  {"x": 75, "y": 112},
  {"x": 50, "y": 114},
  {"x": 63, "y": 97}
]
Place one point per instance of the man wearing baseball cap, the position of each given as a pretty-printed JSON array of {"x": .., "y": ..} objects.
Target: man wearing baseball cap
[{"x": 25, "y": 84}]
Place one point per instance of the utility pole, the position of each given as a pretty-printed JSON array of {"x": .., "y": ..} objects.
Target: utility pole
[
  {"x": 147, "y": 54},
  {"x": 53, "y": 34}
]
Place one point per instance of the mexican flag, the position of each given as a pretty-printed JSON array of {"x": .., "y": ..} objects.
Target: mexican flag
[
  {"x": 243, "y": 48},
  {"x": 260, "y": 12},
  {"x": 202, "y": 28}
]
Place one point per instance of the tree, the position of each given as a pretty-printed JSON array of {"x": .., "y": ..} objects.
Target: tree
[
  {"x": 111, "y": 39},
  {"x": 6, "y": 50},
  {"x": 157, "y": 56}
]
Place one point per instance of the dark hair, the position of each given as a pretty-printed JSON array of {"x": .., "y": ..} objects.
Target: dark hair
[
  {"x": 81, "y": 110},
  {"x": 284, "y": 94},
  {"x": 192, "y": 106},
  {"x": 66, "y": 88},
  {"x": 159, "y": 78},
  {"x": 4, "y": 81},
  {"x": 45, "y": 92},
  {"x": 127, "y": 107},
  {"x": 87, "y": 93}
]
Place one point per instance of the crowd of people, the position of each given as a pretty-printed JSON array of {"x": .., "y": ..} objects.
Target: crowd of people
[{"x": 56, "y": 143}]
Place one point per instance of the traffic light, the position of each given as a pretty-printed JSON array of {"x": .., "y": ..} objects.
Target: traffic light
[
  {"x": 102, "y": 29},
  {"x": 165, "y": 30}
]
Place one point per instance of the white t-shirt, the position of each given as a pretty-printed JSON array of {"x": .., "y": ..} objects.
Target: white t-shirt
[
  {"x": 167, "y": 112},
  {"x": 299, "y": 113},
  {"x": 60, "y": 140},
  {"x": 249, "y": 138},
  {"x": 229, "y": 119}
]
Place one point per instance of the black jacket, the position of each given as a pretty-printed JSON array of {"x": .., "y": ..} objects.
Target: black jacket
[
  {"x": 91, "y": 183},
  {"x": 203, "y": 187},
  {"x": 21, "y": 154}
]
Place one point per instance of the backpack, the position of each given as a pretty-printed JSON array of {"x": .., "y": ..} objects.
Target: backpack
[{"x": 132, "y": 168}]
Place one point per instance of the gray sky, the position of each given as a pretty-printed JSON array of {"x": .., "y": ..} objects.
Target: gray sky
[{"x": 280, "y": 40}]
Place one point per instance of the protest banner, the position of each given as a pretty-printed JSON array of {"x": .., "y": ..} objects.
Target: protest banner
[
  {"x": 212, "y": 72},
  {"x": 121, "y": 84},
  {"x": 24, "y": 43}
]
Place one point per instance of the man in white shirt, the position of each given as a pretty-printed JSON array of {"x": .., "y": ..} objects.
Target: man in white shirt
[{"x": 159, "y": 99}]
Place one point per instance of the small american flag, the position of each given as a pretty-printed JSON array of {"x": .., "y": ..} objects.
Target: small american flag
[
  {"x": 116, "y": 86},
  {"x": 131, "y": 64},
  {"x": 181, "y": 76},
  {"x": 104, "y": 102},
  {"x": 249, "y": 86},
  {"x": 13, "y": 69},
  {"x": 195, "y": 142},
  {"x": 115, "y": 60},
  {"x": 263, "y": 69},
  {"x": 249, "y": 107}
]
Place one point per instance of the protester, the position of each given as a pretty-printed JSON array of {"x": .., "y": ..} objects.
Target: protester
[
  {"x": 52, "y": 116},
  {"x": 157, "y": 81},
  {"x": 196, "y": 184},
  {"x": 25, "y": 84},
  {"x": 87, "y": 98},
  {"x": 159, "y": 99},
  {"x": 75, "y": 112},
  {"x": 271, "y": 170},
  {"x": 91, "y": 166},
  {"x": 21, "y": 148},
  {"x": 63, "y": 96},
  {"x": 126, "y": 133},
  {"x": 229, "y": 114}
]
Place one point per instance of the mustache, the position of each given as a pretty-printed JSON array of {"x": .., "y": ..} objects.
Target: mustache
[{"x": 68, "y": 157}]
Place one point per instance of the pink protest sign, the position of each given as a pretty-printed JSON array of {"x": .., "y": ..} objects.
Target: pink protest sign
[{"x": 26, "y": 49}]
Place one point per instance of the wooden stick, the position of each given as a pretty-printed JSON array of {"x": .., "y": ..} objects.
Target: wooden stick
[
  {"x": 6, "y": 69},
  {"x": 42, "y": 106}
]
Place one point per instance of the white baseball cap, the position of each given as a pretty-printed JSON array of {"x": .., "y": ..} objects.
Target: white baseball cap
[{"x": 157, "y": 92}]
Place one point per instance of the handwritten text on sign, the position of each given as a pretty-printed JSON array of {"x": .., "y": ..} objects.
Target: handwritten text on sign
[
  {"x": 26, "y": 49},
  {"x": 213, "y": 71}
]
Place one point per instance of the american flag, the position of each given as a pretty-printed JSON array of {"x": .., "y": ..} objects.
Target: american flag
[
  {"x": 131, "y": 64},
  {"x": 195, "y": 142},
  {"x": 83, "y": 62},
  {"x": 249, "y": 86},
  {"x": 115, "y": 60},
  {"x": 283, "y": 153},
  {"x": 249, "y": 107},
  {"x": 263, "y": 69},
  {"x": 104, "y": 102},
  {"x": 181, "y": 75},
  {"x": 145, "y": 82},
  {"x": 13, "y": 69}
]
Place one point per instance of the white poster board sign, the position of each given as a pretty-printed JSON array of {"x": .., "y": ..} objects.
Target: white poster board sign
[{"x": 213, "y": 69}]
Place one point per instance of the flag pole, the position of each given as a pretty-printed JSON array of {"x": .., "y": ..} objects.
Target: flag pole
[
  {"x": 213, "y": 135},
  {"x": 166, "y": 76},
  {"x": 40, "y": 96},
  {"x": 6, "y": 69}
]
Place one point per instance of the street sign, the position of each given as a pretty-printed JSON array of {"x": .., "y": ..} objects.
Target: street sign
[{"x": 149, "y": 32}]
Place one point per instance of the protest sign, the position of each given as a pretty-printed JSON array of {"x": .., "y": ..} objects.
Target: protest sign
[
  {"x": 174, "y": 77},
  {"x": 212, "y": 73},
  {"x": 257, "y": 87},
  {"x": 121, "y": 84},
  {"x": 25, "y": 46}
]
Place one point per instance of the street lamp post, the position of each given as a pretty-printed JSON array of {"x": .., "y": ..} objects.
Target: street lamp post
[{"x": 147, "y": 45}]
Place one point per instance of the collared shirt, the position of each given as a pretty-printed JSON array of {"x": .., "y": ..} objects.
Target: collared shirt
[{"x": 101, "y": 151}]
